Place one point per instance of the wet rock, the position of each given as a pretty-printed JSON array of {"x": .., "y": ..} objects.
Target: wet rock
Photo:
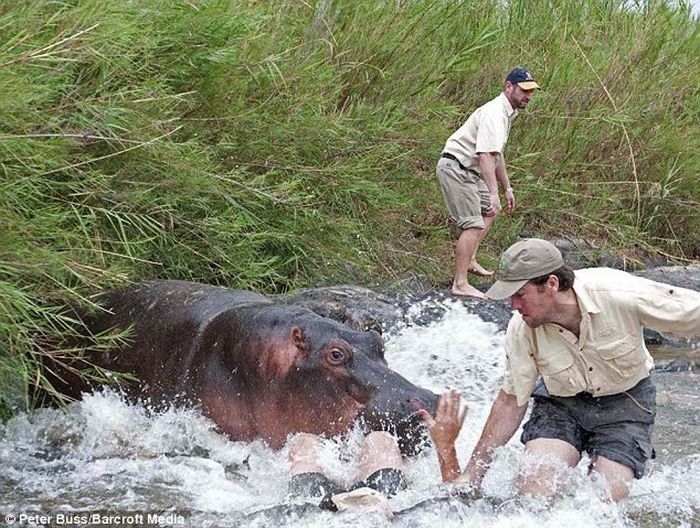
[
  {"x": 677, "y": 365},
  {"x": 433, "y": 302},
  {"x": 681, "y": 276},
  {"x": 580, "y": 253},
  {"x": 363, "y": 309}
]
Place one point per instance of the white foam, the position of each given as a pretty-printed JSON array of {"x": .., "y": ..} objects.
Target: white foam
[{"x": 104, "y": 453}]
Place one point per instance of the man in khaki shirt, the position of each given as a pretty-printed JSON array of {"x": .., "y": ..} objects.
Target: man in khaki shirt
[
  {"x": 576, "y": 345},
  {"x": 468, "y": 170}
]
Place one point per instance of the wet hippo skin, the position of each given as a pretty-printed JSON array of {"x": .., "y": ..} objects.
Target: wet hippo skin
[{"x": 257, "y": 368}]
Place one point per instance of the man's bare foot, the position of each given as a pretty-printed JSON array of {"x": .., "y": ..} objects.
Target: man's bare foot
[
  {"x": 478, "y": 269},
  {"x": 467, "y": 291}
]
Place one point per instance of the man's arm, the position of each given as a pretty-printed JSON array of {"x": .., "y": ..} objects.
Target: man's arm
[
  {"x": 667, "y": 308},
  {"x": 488, "y": 161},
  {"x": 504, "y": 419},
  {"x": 502, "y": 176},
  {"x": 444, "y": 430}
]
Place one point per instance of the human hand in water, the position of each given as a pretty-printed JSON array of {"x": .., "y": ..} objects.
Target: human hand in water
[{"x": 445, "y": 426}]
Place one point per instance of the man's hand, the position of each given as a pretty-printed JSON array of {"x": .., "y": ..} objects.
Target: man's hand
[
  {"x": 495, "y": 205},
  {"x": 445, "y": 427},
  {"x": 510, "y": 200}
]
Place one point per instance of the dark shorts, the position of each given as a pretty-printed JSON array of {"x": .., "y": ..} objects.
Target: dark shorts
[
  {"x": 312, "y": 485},
  {"x": 388, "y": 481},
  {"x": 618, "y": 427}
]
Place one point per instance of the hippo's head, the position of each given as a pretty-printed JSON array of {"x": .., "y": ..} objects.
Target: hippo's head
[
  {"x": 258, "y": 369},
  {"x": 393, "y": 400},
  {"x": 335, "y": 375}
]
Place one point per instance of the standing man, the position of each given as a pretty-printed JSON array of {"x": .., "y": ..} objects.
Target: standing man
[
  {"x": 469, "y": 166},
  {"x": 582, "y": 333}
]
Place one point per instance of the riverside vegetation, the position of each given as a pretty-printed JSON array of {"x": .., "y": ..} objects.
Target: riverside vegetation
[{"x": 274, "y": 145}]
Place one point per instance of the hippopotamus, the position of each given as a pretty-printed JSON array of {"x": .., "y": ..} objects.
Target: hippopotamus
[{"x": 258, "y": 368}]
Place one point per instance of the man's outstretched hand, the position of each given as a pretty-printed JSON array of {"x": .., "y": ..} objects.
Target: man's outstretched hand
[{"x": 444, "y": 429}]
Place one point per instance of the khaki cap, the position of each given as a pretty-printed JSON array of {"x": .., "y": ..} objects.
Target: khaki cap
[{"x": 524, "y": 260}]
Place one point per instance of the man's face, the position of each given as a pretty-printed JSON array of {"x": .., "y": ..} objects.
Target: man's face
[
  {"x": 535, "y": 303},
  {"x": 518, "y": 97}
]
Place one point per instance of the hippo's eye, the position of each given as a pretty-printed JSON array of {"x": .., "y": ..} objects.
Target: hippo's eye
[{"x": 337, "y": 355}]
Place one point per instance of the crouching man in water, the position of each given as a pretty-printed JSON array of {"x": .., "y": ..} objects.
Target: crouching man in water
[{"x": 576, "y": 346}]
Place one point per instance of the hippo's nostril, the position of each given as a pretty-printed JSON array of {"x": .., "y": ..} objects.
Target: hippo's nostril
[{"x": 417, "y": 404}]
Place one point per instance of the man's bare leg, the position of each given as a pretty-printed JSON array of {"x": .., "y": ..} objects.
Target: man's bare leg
[
  {"x": 304, "y": 454},
  {"x": 465, "y": 252},
  {"x": 478, "y": 269},
  {"x": 379, "y": 451},
  {"x": 307, "y": 472},
  {"x": 618, "y": 477},
  {"x": 543, "y": 466},
  {"x": 474, "y": 266}
]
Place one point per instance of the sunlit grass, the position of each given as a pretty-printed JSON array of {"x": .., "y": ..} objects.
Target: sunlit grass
[{"x": 273, "y": 145}]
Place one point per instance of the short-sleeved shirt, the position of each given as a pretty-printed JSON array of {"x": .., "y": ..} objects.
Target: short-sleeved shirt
[
  {"x": 486, "y": 130},
  {"x": 609, "y": 356}
]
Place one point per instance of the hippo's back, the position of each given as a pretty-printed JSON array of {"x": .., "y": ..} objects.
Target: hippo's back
[
  {"x": 166, "y": 319},
  {"x": 166, "y": 303}
]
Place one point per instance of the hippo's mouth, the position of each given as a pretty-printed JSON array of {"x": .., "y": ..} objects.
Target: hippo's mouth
[
  {"x": 408, "y": 414},
  {"x": 410, "y": 431},
  {"x": 410, "y": 419}
]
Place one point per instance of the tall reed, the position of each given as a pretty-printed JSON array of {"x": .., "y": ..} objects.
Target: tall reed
[{"x": 273, "y": 145}]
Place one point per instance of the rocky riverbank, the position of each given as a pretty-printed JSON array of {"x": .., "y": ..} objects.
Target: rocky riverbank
[{"x": 362, "y": 308}]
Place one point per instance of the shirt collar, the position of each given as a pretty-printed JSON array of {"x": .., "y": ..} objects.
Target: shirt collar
[{"x": 511, "y": 112}]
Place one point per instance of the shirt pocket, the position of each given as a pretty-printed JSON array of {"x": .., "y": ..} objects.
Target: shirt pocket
[
  {"x": 559, "y": 374},
  {"x": 622, "y": 355}
]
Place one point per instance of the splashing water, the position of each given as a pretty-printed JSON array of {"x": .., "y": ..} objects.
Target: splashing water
[{"x": 132, "y": 466}]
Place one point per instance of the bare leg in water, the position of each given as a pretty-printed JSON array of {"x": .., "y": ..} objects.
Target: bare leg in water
[{"x": 379, "y": 451}]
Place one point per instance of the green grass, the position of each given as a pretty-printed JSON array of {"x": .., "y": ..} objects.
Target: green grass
[{"x": 275, "y": 145}]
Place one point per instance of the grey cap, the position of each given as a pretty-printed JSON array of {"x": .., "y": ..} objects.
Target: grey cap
[{"x": 524, "y": 260}]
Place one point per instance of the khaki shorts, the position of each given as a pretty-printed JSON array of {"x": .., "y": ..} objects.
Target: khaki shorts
[{"x": 465, "y": 193}]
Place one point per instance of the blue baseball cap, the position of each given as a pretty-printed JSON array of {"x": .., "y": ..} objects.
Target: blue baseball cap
[{"x": 522, "y": 78}]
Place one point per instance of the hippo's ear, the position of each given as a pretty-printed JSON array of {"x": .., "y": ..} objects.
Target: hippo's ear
[
  {"x": 375, "y": 345},
  {"x": 284, "y": 354},
  {"x": 298, "y": 338}
]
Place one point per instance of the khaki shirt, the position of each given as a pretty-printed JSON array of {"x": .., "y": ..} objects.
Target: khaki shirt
[
  {"x": 486, "y": 130},
  {"x": 609, "y": 357}
]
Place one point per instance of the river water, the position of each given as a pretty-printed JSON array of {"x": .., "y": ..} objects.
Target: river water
[{"x": 106, "y": 462}]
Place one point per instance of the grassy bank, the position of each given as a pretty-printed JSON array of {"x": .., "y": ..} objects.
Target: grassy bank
[{"x": 273, "y": 145}]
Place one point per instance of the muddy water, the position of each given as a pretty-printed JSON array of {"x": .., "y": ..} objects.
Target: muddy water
[{"x": 105, "y": 462}]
